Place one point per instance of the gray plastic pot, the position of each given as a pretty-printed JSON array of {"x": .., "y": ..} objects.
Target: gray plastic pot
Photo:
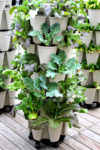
[
  {"x": 92, "y": 58},
  {"x": 86, "y": 75},
  {"x": 96, "y": 76},
  {"x": 2, "y": 4},
  {"x": 10, "y": 56},
  {"x": 90, "y": 94},
  {"x": 59, "y": 77},
  {"x": 86, "y": 38},
  {"x": 9, "y": 18},
  {"x": 8, "y": 3},
  {"x": 63, "y": 23},
  {"x": 94, "y": 16},
  {"x": 4, "y": 40},
  {"x": 1, "y": 11},
  {"x": 54, "y": 134},
  {"x": 45, "y": 52},
  {"x": 7, "y": 81},
  {"x": 11, "y": 96},
  {"x": 2, "y": 99},
  {"x": 35, "y": 75},
  {"x": 99, "y": 96},
  {"x": 69, "y": 51},
  {"x": 31, "y": 49},
  {"x": 2, "y": 58},
  {"x": 79, "y": 56},
  {"x": 37, "y": 134},
  {"x": 44, "y": 133},
  {"x": 36, "y": 25},
  {"x": 97, "y": 38}
]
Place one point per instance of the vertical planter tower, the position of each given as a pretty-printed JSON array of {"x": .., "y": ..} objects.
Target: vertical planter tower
[
  {"x": 89, "y": 55},
  {"x": 7, "y": 53},
  {"x": 45, "y": 78}
]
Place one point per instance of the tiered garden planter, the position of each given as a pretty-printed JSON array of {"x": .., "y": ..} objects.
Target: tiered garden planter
[
  {"x": 7, "y": 53},
  {"x": 48, "y": 133},
  {"x": 92, "y": 94},
  {"x": 39, "y": 86}
]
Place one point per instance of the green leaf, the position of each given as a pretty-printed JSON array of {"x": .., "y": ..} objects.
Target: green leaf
[
  {"x": 29, "y": 83},
  {"x": 21, "y": 95},
  {"x": 83, "y": 110},
  {"x": 54, "y": 124},
  {"x": 36, "y": 83},
  {"x": 55, "y": 29},
  {"x": 43, "y": 82},
  {"x": 50, "y": 74},
  {"x": 57, "y": 39},
  {"x": 34, "y": 33},
  {"x": 45, "y": 28},
  {"x": 32, "y": 116},
  {"x": 12, "y": 10},
  {"x": 52, "y": 66}
]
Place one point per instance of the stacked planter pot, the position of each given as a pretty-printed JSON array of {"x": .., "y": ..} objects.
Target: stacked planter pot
[
  {"x": 44, "y": 53},
  {"x": 42, "y": 73},
  {"x": 92, "y": 94},
  {"x": 7, "y": 53}
]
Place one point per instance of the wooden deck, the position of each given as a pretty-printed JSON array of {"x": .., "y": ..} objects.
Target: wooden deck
[{"x": 14, "y": 133}]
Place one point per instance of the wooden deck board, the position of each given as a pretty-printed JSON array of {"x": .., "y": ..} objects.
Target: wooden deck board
[{"x": 14, "y": 133}]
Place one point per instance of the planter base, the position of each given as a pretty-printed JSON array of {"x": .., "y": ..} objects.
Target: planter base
[
  {"x": 1, "y": 111},
  {"x": 90, "y": 106},
  {"x": 8, "y": 108},
  {"x": 47, "y": 142},
  {"x": 98, "y": 105}
]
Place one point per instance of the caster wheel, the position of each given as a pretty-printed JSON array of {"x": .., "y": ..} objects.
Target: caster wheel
[
  {"x": 46, "y": 142},
  {"x": 98, "y": 105},
  {"x": 1, "y": 111},
  {"x": 7, "y": 109},
  {"x": 62, "y": 137},
  {"x": 37, "y": 145},
  {"x": 55, "y": 144},
  {"x": 88, "y": 106},
  {"x": 82, "y": 104},
  {"x": 30, "y": 136}
]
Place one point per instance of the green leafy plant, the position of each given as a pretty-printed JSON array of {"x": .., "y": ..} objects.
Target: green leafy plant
[
  {"x": 70, "y": 37},
  {"x": 97, "y": 28},
  {"x": 58, "y": 8},
  {"x": 26, "y": 63},
  {"x": 58, "y": 65},
  {"x": 86, "y": 27},
  {"x": 21, "y": 24},
  {"x": 2, "y": 79},
  {"x": 93, "y": 4},
  {"x": 91, "y": 67},
  {"x": 47, "y": 35},
  {"x": 92, "y": 48}
]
